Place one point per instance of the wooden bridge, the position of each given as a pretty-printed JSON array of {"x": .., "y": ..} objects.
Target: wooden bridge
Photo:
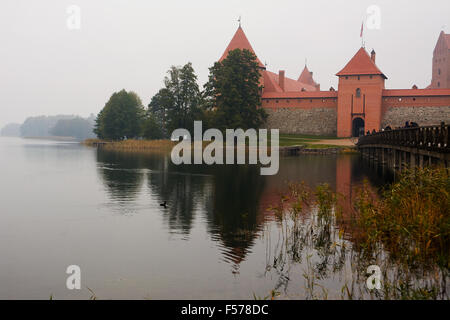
[{"x": 408, "y": 147}]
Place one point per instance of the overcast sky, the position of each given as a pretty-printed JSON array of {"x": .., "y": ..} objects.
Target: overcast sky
[{"x": 47, "y": 68}]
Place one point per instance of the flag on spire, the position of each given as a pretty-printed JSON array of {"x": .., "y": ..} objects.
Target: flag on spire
[{"x": 362, "y": 29}]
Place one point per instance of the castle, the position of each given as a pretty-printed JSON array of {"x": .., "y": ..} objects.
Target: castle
[
  {"x": 441, "y": 63},
  {"x": 361, "y": 103}
]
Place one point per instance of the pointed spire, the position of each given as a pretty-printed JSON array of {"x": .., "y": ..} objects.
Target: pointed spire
[
  {"x": 306, "y": 77},
  {"x": 360, "y": 64},
  {"x": 240, "y": 41}
]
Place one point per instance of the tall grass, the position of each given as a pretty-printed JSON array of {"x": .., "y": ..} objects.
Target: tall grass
[
  {"x": 411, "y": 218},
  {"x": 138, "y": 146},
  {"x": 405, "y": 229}
]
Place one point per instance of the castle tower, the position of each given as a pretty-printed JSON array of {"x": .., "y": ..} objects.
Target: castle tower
[
  {"x": 307, "y": 77},
  {"x": 360, "y": 91},
  {"x": 441, "y": 63},
  {"x": 240, "y": 41}
]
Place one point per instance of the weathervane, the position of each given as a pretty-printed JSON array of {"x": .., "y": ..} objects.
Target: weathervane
[{"x": 239, "y": 20}]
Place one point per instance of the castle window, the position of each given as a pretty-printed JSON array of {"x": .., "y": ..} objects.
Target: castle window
[
  {"x": 439, "y": 84},
  {"x": 276, "y": 101},
  {"x": 370, "y": 76},
  {"x": 359, "y": 78},
  {"x": 358, "y": 92},
  {"x": 346, "y": 77},
  {"x": 439, "y": 71},
  {"x": 414, "y": 99}
]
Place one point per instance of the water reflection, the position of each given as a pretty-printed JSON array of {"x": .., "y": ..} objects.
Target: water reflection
[
  {"x": 234, "y": 217},
  {"x": 102, "y": 209},
  {"x": 122, "y": 175},
  {"x": 230, "y": 199}
]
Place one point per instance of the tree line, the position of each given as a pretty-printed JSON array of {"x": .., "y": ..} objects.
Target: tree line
[
  {"x": 230, "y": 99},
  {"x": 49, "y": 126}
]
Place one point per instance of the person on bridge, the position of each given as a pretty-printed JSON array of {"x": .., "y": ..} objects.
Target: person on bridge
[{"x": 413, "y": 124}]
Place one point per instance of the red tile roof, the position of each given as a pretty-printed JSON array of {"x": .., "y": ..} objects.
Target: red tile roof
[
  {"x": 240, "y": 41},
  {"x": 271, "y": 84},
  {"x": 306, "y": 77},
  {"x": 300, "y": 94},
  {"x": 415, "y": 92},
  {"x": 360, "y": 64}
]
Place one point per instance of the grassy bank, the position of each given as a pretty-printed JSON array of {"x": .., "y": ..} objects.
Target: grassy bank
[
  {"x": 313, "y": 142},
  {"x": 286, "y": 140},
  {"x": 138, "y": 146}
]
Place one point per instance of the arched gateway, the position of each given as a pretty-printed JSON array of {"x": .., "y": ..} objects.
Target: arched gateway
[{"x": 358, "y": 127}]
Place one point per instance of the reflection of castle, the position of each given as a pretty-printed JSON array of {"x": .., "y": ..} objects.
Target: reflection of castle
[{"x": 361, "y": 102}]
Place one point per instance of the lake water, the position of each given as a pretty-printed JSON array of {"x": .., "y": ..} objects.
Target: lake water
[{"x": 66, "y": 204}]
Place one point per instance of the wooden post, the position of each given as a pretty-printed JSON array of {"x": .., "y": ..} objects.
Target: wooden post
[
  {"x": 394, "y": 159},
  {"x": 412, "y": 160}
]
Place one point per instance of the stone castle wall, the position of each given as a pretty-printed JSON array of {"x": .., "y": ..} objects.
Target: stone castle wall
[
  {"x": 323, "y": 121},
  {"x": 316, "y": 121},
  {"x": 424, "y": 116}
]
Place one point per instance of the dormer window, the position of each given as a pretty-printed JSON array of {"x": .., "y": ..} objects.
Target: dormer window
[{"x": 358, "y": 92}]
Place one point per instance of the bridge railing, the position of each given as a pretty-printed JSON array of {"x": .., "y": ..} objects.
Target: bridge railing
[{"x": 434, "y": 138}]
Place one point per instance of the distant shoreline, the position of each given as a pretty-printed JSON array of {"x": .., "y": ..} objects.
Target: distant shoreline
[{"x": 50, "y": 138}]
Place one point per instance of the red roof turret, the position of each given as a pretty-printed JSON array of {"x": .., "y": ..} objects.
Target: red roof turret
[
  {"x": 306, "y": 77},
  {"x": 240, "y": 41},
  {"x": 360, "y": 64}
]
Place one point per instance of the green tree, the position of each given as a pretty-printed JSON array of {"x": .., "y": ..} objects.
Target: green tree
[
  {"x": 152, "y": 128},
  {"x": 233, "y": 92},
  {"x": 159, "y": 107},
  {"x": 177, "y": 105},
  {"x": 78, "y": 128},
  {"x": 121, "y": 117}
]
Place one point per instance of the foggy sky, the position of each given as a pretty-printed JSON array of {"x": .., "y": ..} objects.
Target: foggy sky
[{"x": 47, "y": 69}]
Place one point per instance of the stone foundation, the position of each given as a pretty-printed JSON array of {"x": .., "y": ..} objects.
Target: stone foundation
[
  {"x": 323, "y": 121},
  {"x": 423, "y": 116},
  {"x": 316, "y": 121}
]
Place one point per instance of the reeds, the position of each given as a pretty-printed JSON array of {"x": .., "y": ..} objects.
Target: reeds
[
  {"x": 136, "y": 146},
  {"x": 405, "y": 229},
  {"x": 411, "y": 218}
]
